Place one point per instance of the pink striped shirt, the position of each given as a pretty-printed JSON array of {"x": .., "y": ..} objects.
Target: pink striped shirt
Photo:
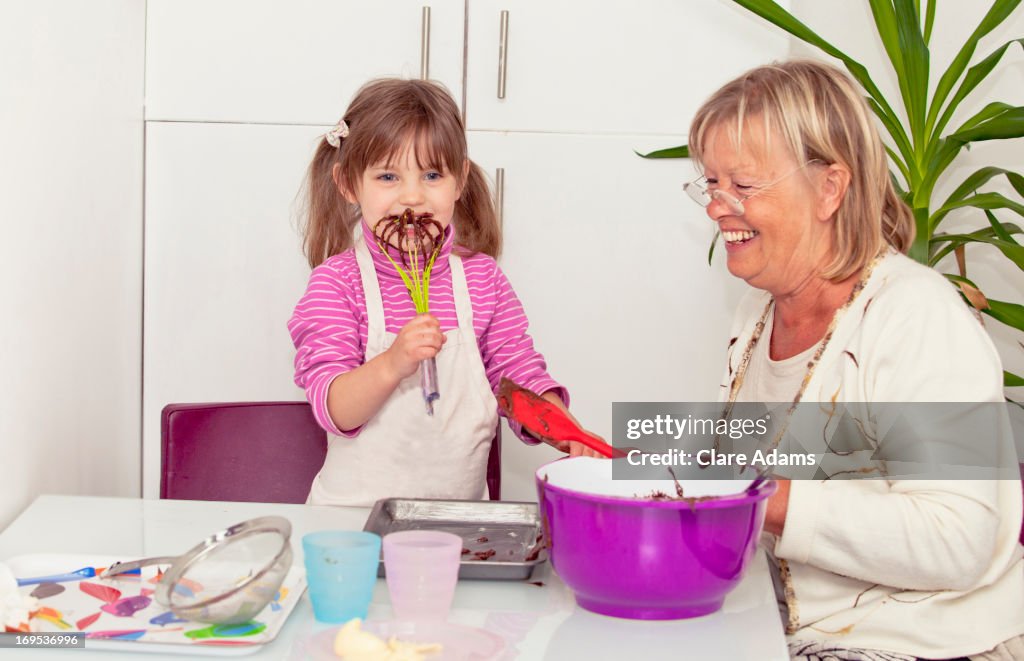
[{"x": 329, "y": 325}]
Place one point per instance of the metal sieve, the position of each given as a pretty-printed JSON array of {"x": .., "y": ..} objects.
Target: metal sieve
[{"x": 229, "y": 577}]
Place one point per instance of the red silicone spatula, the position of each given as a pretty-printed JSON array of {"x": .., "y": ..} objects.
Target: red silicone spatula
[{"x": 545, "y": 420}]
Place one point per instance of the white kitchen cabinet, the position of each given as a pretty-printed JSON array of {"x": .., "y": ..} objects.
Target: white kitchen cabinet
[
  {"x": 624, "y": 66},
  {"x": 288, "y": 62},
  {"x": 609, "y": 257},
  {"x": 223, "y": 265}
]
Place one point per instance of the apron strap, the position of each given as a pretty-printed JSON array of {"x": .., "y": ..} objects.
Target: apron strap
[
  {"x": 371, "y": 292},
  {"x": 463, "y": 304}
]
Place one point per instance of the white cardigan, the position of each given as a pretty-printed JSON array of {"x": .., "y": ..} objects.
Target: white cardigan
[{"x": 928, "y": 568}]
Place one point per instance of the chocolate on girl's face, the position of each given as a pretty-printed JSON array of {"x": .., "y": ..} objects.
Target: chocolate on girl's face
[{"x": 389, "y": 188}]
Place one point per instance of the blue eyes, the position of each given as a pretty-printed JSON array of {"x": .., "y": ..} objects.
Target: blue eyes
[{"x": 429, "y": 176}]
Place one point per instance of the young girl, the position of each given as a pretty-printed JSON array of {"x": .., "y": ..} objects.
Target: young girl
[{"x": 359, "y": 342}]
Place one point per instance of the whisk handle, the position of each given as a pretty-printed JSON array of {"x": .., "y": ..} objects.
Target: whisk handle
[{"x": 428, "y": 383}]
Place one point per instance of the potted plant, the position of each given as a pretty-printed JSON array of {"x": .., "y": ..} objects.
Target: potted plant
[{"x": 923, "y": 146}]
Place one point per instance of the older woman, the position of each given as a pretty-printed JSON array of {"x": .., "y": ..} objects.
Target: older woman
[{"x": 795, "y": 175}]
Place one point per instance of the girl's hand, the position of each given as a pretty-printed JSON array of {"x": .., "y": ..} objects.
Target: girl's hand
[
  {"x": 418, "y": 340},
  {"x": 577, "y": 449},
  {"x": 571, "y": 448}
]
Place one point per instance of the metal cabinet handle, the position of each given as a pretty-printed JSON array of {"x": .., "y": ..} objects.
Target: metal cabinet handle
[
  {"x": 425, "y": 44},
  {"x": 499, "y": 196},
  {"x": 503, "y": 54}
]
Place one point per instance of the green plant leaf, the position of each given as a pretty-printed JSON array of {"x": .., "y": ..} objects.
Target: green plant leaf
[
  {"x": 885, "y": 22},
  {"x": 943, "y": 244},
  {"x": 1013, "y": 251},
  {"x": 978, "y": 201},
  {"x": 899, "y": 137},
  {"x": 683, "y": 151},
  {"x": 996, "y": 14},
  {"x": 1011, "y": 380},
  {"x": 947, "y": 149},
  {"x": 1009, "y": 124},
  {"x": 970, "y": 184},
  {"x": 1010, "y": 314},
  {"x": 975, "y": 75},
  {"x": 980, "y": 177},
  {"x": 898, "y": 162},
  {"x": 776, "y": 15},
  {"x": 919, "y": 249},
  {"x": 994, "y": 109},
  {"x": 711, "y": 248},
  {"x": 929, "y": 20},
  {"x": 1005, "y": 125},
  {"x": 998, "y": 229},
  {"x": 898, "y": 24},
  {"x": 896, "y": 184}
]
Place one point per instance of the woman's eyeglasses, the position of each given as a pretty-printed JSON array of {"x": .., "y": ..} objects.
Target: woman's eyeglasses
[{"x": 700, "y": 193}]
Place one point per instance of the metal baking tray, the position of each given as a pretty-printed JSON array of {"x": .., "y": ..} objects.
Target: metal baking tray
[{"x": 511, "y": 529}]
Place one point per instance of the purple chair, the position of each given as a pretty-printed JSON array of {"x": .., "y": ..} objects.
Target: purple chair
[{"x": 252, "y": 452}]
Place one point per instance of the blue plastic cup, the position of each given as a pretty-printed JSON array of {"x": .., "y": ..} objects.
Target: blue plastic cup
[{"x": 341, "y": 570}]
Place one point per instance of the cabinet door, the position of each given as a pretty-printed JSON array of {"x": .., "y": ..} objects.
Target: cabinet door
[
  {"x": 223, "y": 267},
  {"x": 609, "y": 257},
  {"x": 623, "y": 66},
  {"x": 289, "y": 62}
]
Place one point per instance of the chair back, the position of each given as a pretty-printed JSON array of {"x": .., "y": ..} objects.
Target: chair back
[
  {"x": 240, "y": 451},
  {"x": 252, "y": 452}
]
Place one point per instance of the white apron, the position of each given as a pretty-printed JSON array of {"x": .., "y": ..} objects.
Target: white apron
[{"x": 403, "y": 452}]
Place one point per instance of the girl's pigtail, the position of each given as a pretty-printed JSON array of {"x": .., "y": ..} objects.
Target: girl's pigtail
[
  {"x": 327, "y": 229},
  {"x": 478, "y": 229}
]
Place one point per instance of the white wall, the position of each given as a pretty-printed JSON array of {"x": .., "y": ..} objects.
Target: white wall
[
  {"x": 849, "y": 26},
  {"x": 71, "y": 91}
]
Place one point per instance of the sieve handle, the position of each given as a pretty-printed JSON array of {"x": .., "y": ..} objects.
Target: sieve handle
[{"x": 122, "y": 567}]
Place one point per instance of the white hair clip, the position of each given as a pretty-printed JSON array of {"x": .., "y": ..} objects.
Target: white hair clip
[{"x": 335, "y": 135}]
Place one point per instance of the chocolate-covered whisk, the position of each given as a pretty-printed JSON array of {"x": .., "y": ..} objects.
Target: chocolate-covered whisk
[{"x": 418, "y": 239}]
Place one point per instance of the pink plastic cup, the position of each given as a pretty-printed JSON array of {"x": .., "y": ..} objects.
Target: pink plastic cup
[{"x": 422, "y": 568}]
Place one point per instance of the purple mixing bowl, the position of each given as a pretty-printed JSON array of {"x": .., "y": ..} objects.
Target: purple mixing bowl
[{"x": 647, "y": 559}]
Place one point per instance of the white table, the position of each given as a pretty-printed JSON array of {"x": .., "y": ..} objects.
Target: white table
[{"x": 538, "y": 622}]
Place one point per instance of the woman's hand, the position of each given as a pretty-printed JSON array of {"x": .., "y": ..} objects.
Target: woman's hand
[
  {"x": 775, "y": 513},
  {"x": 418, "y": 340}
]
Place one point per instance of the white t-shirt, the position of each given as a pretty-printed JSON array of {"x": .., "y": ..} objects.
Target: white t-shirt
[{"x": 770, "y": 380}]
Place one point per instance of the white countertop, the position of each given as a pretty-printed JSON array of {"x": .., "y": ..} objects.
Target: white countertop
[{"x": 538, "y": 622}]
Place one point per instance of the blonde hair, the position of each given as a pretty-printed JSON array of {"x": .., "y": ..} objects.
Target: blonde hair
[
  {"x": 384, "y": 118},
  {"x": 819, "y": 114}
]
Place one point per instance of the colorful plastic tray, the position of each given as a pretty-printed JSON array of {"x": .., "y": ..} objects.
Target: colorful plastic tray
[{"x": 120, "y": 613}]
